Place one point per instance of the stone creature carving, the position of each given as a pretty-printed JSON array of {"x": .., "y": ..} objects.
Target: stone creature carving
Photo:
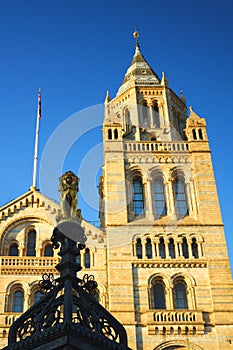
[{"x": 68, "y": 188}]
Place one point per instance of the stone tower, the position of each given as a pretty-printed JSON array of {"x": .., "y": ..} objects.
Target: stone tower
[
  {"x": 160, "y": 256},
  {"x": 160, "y": 211}
]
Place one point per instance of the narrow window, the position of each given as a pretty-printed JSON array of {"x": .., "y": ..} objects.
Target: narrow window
[
  {"x": 48, "y": 251},
  {"x": 138, "y": 199},
  {"x": 37, "y": 296},
  {"x": 87, "y": 258},
  {"x": 180, "y": 199},
  {"x": 162, "y": 253},
  {"x": 31, "y": 243},
  {"x": 195, "y": 248},
  {"x": 128, "y": 123},
  {"x": 145, "y": 116},
  {"x": 194, "y": 134},
  {"x": 171, "y": 248},
  {"x": 156, "y": 116},
  {"x": 159, "y": 296},
  {"x": 109, "y": 134},
  {"x": 159, "y": 199},
  {"x": 96, "y": 295},
  {"x": 180, "y": 296},
  {"x": 148, "y": 248},
  {"x": 14, "y": 249},
  {"x": 139, "y": 248},
  {"x": 200, "y": 134},
  {"x": 185, "y": 248},
  {"x": 18, "y": 299},
  {"x": 78, "y": 260},
  {"x": 115, "y": 134}
]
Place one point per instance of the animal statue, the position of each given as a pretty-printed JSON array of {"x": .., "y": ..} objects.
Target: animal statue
[{"x": 68, "y": 188}]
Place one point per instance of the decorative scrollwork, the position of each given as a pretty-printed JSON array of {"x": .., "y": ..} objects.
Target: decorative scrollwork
[
  {"x": 47, "y": 283},
  {"x": 107, "y": 330},
  {"x": 51, "y": 318},
  {"x": 26, "y": 329},
  {"x": 89, "y": 284}
]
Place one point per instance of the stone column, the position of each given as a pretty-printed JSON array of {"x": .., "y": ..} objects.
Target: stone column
[
  {"x": 170, "y": 201},
  {"x": 149, "y": 207}
]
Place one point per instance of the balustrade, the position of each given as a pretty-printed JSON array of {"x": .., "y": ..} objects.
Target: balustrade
[
  {"x": 156, "y": 146},
  {"x": 177, "y": 316}
]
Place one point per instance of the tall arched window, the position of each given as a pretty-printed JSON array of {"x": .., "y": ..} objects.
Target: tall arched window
[
  {"x": 87, "y": 258},
  {"x": 128, "y": 123},
  {"x": 78, "y": 259},
  {"x": 194, "y": 248},
  {"x": 180, "y": 198},
  {"x": 156, "y": 116},
  {"x": 139, "y": 248},
  {"x": 148, "y": 248},
  {"x": 14, "y": 249},
  {"x": 48, "y": 251},
  {"x": 180, "y": 295},
  {"x": 185, "y": 250},
  {"x": 171, "y": 248},
  {"x": 162, "y": 252},
  {"x": 194, "y": 134},
  {"x": 159, "y": 295},
  {"x": 31, "y": 243},
  {"x": 17, "y": 301},
  {"x": 109, "y": 134},
  {"x": 138, "y": 197},
  {"x": 200, "y": 134},
  {"x": 159, "y": 199},
  {"x": 37, "y": 296},
  {"x": 115, "y": 134},
  {"x": 145, "y": 115}
]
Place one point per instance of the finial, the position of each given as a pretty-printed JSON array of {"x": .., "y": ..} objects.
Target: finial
[
  {"x": 191, "y": 109},
  {"x": 136, "y": 36}
]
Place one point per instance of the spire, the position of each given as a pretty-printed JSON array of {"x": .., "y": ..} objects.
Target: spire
[
  {"x": 107, "y": 98},
  {"x": 139, "y": 70}
]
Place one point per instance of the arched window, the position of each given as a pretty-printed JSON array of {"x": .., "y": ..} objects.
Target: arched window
[
  {"x": 180, "y": 295},
  {"x": 37, "y": 296},
  {"x": 145, "y": 115},
  {"x": 180, "y": 198},
  {"x": 156, "y": 116},
  {"x": 115, "y": 134},
  {"x": 96, "y": 295},
  {"x": 128, "y": 123},
  {"x": 109, "y": 134},
  {"x": 14, "y": 249},
  {"x": 194, "y": 248},
  {"x": 194, "y": 134},
  {"x": 200, "y": 134},
  {"x": 159, "y": 199},
  {"x": 31, "y": 243},
  {"x": 139, "y": 248},
  {"x": 87, "y": 258},
  {"x": 48, "y": 251},
  {"x": 162, "y": 252},
  {"x": 138, "y": 197},
  {"x": 185, "y": 250},
  {"x": 78, "y": 259},
  {"x": 159, "y": 295},
  {"x": 148, "y": 248},
  {"x": 18, "y": 300},
  {"x": 171, "y": 248}
]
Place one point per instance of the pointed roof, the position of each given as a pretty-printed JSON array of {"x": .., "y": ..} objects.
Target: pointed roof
[{"x": 139, "y": 71}]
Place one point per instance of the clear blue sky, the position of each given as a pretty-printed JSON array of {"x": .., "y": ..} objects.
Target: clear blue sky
[{"x": 76, "y": 50}]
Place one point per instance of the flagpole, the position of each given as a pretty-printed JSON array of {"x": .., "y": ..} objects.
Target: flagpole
[{"x": 36, "y": 142}]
